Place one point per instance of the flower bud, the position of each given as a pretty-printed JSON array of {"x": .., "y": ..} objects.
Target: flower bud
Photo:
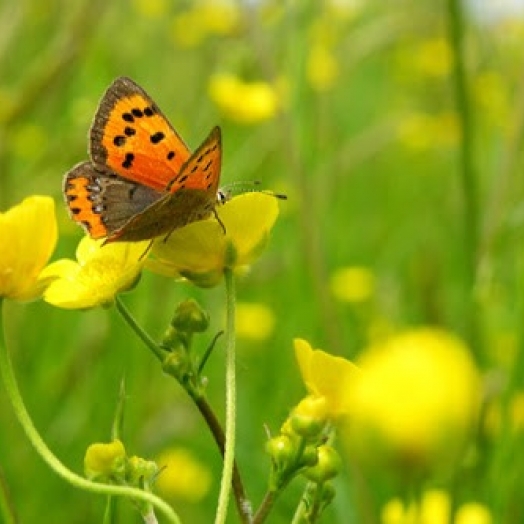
[
  {"x": 177, "y": 364},
  {"x": 309, "y": 416},
  {"x": 328, "y": 465},
  {"x": 281, "y": 449},
  {"x": 105, "y": 460},
  {"x": 309, "y": 456},
  {"x": 140, "y": 470},
  {"x": 190, "y": 317}
]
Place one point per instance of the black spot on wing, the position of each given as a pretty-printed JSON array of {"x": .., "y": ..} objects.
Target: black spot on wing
[
  {"x": 128, "y": 161},
  {"x": 157, "y": 137}
]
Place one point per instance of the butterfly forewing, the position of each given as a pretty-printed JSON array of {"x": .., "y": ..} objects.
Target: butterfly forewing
[{"x": 131, "y": 136}]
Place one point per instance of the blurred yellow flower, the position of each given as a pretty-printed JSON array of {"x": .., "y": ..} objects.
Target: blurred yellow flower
[
  {"x": 473, "y": 513},
  {"x": 434, "y": 508},
  {"x": 325, "y": 375},
  {"x": 498, "y": 417},
  {"x": 422, "y": 131},
  {"x": 182, "y": 476},
  {"x": 243, "y": 102},
  {"x": 322, "y": 68},
  {"x": 205, "y": 18},
  {"x": 100, "y": 273},
  {"x": 201, "y": 251},
  {"x": 490, "y": 89},
  {"x": 151, "y": 8},
  {"x": 434, "y": 57},
  {"x": 254, "y": 321},
  {"x": 28, "y": 234},
  {"x": 416, "y": 401},
  {"x": 353, "y": 284}
]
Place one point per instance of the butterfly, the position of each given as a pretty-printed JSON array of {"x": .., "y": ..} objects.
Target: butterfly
[{"x": 142, "y": 180}]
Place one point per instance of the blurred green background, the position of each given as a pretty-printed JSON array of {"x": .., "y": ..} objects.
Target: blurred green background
[{"x": 350, "y": 108}]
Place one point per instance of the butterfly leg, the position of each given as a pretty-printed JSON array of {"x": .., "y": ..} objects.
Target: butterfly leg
[
  {"x": 148, "y": 248},
  {"x": 219, "y": 221}
]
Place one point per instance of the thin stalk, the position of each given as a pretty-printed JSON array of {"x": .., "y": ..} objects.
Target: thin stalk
[
  {"x": 135, "y": 326},
  {"x": 7, "y": 509},
  {"x": 265, "y": 506},
  {"x": 242, "y": 502},
  {"x": 22, "y": 415},
  {"x": 229, "y": 451},
  {"x": 467, "y": 169},
  {"x": 204, "y": 408}
]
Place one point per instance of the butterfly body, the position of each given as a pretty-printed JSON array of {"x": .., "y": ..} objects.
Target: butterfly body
[{"x": 142, "y": 180}]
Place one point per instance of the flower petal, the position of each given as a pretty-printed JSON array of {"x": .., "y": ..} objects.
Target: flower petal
[
  {"x": 101, "y": 273},
  {"x": 201, "y": 250},
  {"x": 28, "y": 234}
]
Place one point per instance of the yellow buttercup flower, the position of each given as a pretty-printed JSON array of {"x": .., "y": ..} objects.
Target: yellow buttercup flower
[
  {"x": 182, "y": 476},
  {"x": 100, "y": 273},
  {"x": 416, "y": 401},
  {"x": 202, "y": 250},
  {"x": 105, "y": 460},
  {"x": 28, "y": 234},
  {"x": 244, "y": 102},
  {"x": 325, "y": 375}
]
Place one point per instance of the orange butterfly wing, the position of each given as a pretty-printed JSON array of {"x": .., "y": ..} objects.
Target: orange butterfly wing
[
  {"x": 132, "y": 137},
  {"x": 202, "y": 170},
  {"x": 190, "y": 196}
]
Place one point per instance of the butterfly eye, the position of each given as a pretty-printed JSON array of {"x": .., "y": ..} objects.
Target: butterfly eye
[{"x": 223, "y": 196}]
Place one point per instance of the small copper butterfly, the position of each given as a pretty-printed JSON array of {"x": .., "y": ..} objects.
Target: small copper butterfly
[{"x": 142, "y": 180}]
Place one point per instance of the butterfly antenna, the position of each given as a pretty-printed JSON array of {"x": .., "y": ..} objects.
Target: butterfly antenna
[
  {"x": 239, "y": 187},
  {"x": 219, "y": 220}
]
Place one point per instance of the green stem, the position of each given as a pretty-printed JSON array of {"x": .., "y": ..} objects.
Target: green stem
[
  {"x": 7, "y": 509},
  {"x": 298, "y": 517},
  {"x": 15, "y": 398},
  {"x": 135, "y": 326},
  {"x": 229, "y": 451},
  {"x": 468, "y": 175},
  {"x": 202, "y": 405},
  {"x": 265, "y": 506},
  {"x": 243, "y": 504}
]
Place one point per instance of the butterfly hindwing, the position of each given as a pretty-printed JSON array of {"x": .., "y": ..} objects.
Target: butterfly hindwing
[
  {"x": 172, "y": 211},
  {"x": 133, "y": 138},
  {"x": 103, "y": 202}
]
